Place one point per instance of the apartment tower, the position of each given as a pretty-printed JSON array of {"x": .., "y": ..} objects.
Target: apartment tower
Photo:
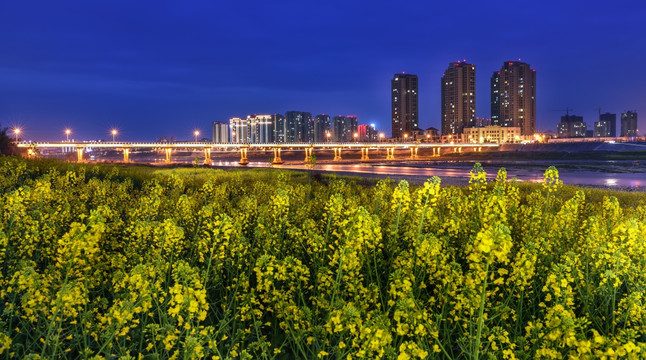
[
  {"x": 458, "y": 98},
  {"x": 405, "y": 117},
  {"x": 513, "y": 97}
]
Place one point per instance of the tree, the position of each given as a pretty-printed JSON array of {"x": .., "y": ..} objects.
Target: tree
[{"x": 6, "y": 145}]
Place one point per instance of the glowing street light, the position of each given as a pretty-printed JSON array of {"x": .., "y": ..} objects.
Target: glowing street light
[
  {"x": 405, "y": 137},
  {"x": 16, "y": 132},
  {"x": 114, "y": 133},
  {"x": 356, "y": 136},
  {"x": 328, "y": 135},
  {"x": 67, "y": 134},
  {"x": 196, "y": 133},
  {"x": 381, "y": 137}
]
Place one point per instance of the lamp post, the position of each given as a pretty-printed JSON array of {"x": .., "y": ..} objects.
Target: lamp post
[
  {"x": 114, "y": 133},
  {"x": 328, "y": 135},
  {"x": 67, "y": 134},
  {"x": 16, "y": 132},
  {"x": 196, "y": 133},
  {"x": 356, "y": 137},
  {"x": 405, "y": 137},
  {"x": 381, "y": 137}
]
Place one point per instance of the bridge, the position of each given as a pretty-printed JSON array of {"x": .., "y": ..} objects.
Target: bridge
[{"x": 207, "y": 148}]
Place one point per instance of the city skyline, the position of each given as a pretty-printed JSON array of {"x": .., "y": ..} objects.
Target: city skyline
[{"x": 168, "y": 69}]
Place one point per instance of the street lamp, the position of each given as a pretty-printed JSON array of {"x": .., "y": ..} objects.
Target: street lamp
[
  {"x": 67, "y": 134},
  {"x": 356, "y": 136},
  {"x": 16, "y": 132},
  {"x": 381, "y": 137},
  {"x": 114, "y": 133},
  {"x": 405, "y": 137},
  {"x": 328, "y": 135},
  {"x": 196, "y": 133}
]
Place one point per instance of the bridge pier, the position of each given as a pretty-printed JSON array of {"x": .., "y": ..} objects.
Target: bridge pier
[
  {"x": 337, "y": 154},
  {"x": 364, "y": 154},
  {"x": 169, "y": 152},
  {"x": 390, "y": 153},
  {"x": 207, "y": 156},
  {"x": 79, "y": 154},
  {"x": 243, "y": 156},
  {"x": 308, "y": 154},
  {"x": 436, "y": 151},
  {"x": 277, "y": 159},
  {"x": 413, "y": 152},
  {"x": 126, "y": 155}
]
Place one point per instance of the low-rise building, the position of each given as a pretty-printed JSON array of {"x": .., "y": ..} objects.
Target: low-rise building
[{"x": 491, "y": 134}]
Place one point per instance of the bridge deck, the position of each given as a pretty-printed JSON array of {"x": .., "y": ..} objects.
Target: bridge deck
[{"x": 203, "y": 145}]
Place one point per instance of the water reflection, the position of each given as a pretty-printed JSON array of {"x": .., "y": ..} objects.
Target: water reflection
[{"x": 530, "y": 174}]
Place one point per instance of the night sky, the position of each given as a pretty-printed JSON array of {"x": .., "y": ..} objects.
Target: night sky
[{"x": 166, "y": 68}]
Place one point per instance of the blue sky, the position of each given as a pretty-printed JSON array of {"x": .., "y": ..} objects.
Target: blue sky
[{"x": 166, "y": 68}]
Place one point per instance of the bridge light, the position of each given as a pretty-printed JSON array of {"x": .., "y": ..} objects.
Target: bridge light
[
  {"x": 67, "y": 134},
  {"x": 196, "y": 133},
  {"x": 16, "y": 132},
  {"x": 114, "y": 133}
]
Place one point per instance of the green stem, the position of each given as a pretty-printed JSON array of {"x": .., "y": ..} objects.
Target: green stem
[{"x": 481, "y": 312}]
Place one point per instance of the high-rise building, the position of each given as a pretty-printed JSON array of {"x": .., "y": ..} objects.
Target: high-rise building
[
  {"x": 458, "y": 98},
  {"x": 321, "y": 128},
  {"x": 298, "y": 126},
  {"x": 606, "y": 126},
  {"x": 495, "y": 99},
  {"x": 260, "y": 129},
  {"x": 255, "y": 129},
  {"x": 239, "y": 130},
  {"x": 351, "y": 128},
  {"x": 307, "y": 130},
  {"x": 367, "y": 133},
  {"x": 629, "y": 124},
  {"x": 572, "y": 126},
  {"x": 220, "y": 132},
  {"x": 513, "y": 97},
  {"x": 344, "y": 127},
  {"x": 278, "y": 121},
  {"x": 405, "y": 118}
]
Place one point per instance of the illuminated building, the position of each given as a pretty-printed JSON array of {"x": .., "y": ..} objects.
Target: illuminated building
[
  {"x": 606, "y": 126},
  {"x": 405, "y": 117},
  {"x": 572, "y": 126},
  {"x": 343, "y": 128},
  {"x": 255, "y": 129},
  {"x": 492, "y": 134},
  {"x": 278, "y": 121},
  {"x": 458, "y": 98},
  {"x": 513, "y": 97},
  {"x": 367, "y": 133},
  {"x": 321, "y": 127},
  {"x": 629, "y": 124},
  {"x": 261, "y": 129},
  {"x": 298, "y": 127},
  {"x": 220, "y": 132},
  {"x": 238, "y": 129}
]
